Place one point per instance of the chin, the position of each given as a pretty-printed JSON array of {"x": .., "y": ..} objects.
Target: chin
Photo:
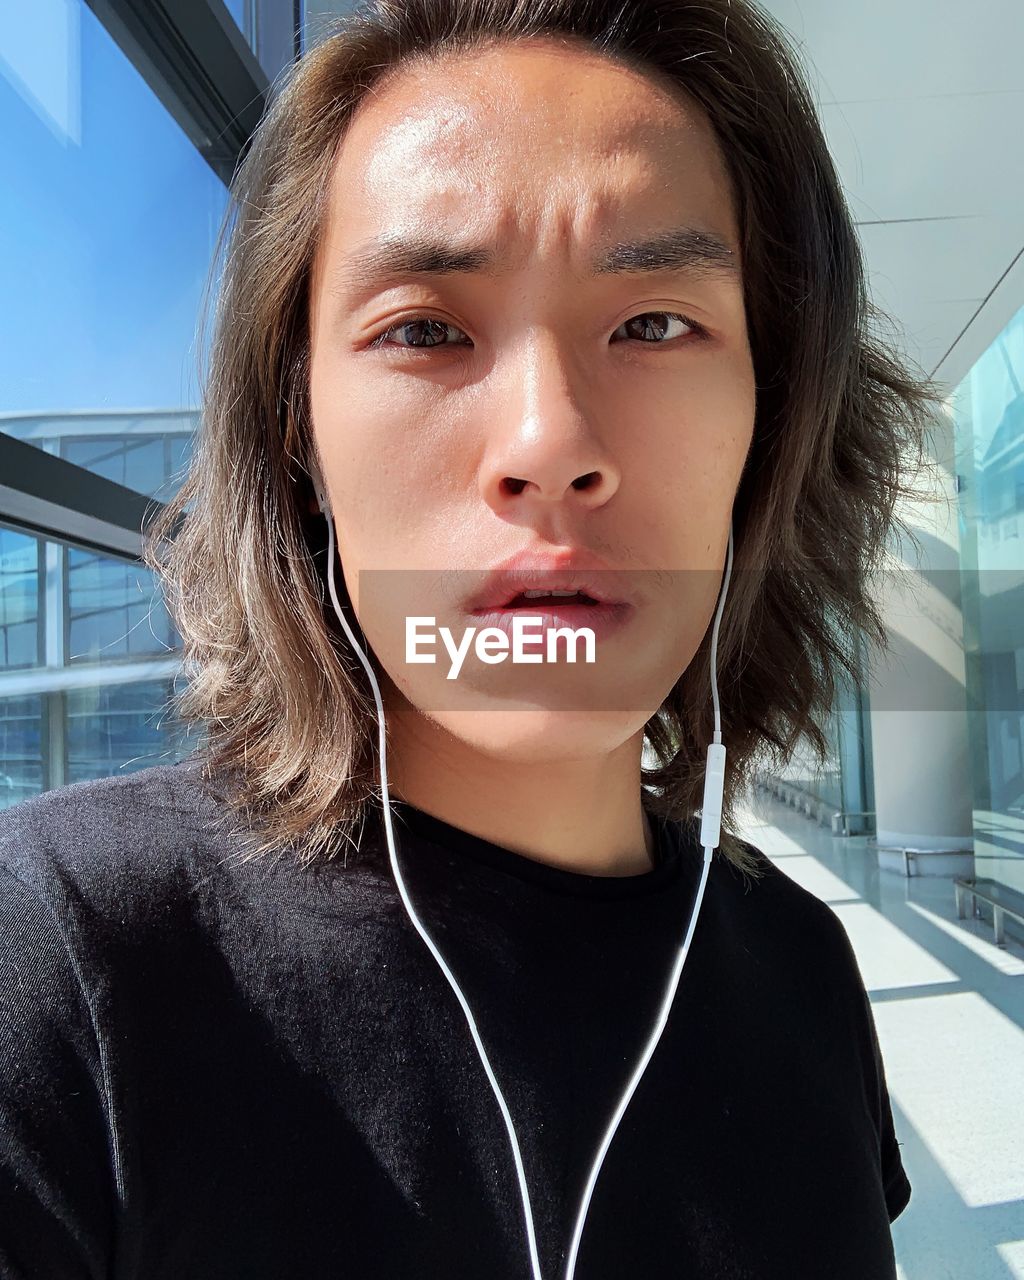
[
  {"x": 517, "y": 722},
  {"x": 538, "y": 735}
]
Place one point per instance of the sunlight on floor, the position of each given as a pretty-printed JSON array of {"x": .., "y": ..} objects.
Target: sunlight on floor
[
  {"x": 949, "y": 1008},
  {"x": 887, "y": 957},
  {"x": 815, "y": 878},
  {"x": 943, "y": 1047}
]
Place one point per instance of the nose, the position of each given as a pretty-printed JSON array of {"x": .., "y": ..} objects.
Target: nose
[{"x": 546, "y": 446}]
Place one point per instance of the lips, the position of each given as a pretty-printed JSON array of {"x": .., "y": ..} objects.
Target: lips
[
  {"x": 550, "y": 614},
  {"x": 504, "y": 586}
]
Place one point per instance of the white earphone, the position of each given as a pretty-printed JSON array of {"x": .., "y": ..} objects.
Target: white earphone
[{"x": 710, "y": 833}]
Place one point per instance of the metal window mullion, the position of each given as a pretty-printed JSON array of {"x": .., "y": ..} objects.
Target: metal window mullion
[
  {"x": 55, "y": 645},
  {"x": 197, "y": 62},
  {"x": 55, "y": 758}
]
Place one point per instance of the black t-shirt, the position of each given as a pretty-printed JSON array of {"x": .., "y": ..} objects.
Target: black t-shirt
[{"x": 219, "y": 1069}]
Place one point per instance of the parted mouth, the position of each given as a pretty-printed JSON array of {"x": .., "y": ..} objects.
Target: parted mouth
[{"x": 524, "y": 588}]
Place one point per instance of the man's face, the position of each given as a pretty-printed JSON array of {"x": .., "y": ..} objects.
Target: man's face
[{"x": 454, "y": 410}]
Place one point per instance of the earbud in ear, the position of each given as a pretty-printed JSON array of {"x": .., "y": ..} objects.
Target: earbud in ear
[{"x": 319, "y": 488}]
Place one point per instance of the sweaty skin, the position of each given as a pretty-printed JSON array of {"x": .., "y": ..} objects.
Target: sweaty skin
[{"x": 455, "y": 442}]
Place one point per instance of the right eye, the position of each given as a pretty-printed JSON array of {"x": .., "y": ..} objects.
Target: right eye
[{"x": 415, "y": 330}]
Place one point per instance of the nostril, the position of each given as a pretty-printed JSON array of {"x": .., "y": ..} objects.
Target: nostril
[
  {"x": 513, "y": 485},
  {"x": 584, "y": 482}
]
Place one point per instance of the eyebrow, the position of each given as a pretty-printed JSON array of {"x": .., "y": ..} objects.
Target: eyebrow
[{"x": 690, "y": 249}]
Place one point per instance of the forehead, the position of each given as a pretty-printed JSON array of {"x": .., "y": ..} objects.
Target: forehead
[{"x": 521, "y": 141}]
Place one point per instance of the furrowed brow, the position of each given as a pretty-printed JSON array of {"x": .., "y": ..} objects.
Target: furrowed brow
[
  {"x": 700, "y": 253},
  {"x": 686, "y": 249}
]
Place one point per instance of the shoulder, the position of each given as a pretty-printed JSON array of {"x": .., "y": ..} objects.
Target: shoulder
[
  {"x": 792, "y": 929},
  {"x": 805, "y": 970},
  {"x": 89, "y": 874},
  {"x": 109, "y": 846}
]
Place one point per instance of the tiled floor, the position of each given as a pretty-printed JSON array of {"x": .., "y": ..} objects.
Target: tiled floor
[{"x": 949, "y": 1007}]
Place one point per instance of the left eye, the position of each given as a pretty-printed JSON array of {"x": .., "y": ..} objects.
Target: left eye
[
  {"x": 433, "y": 331},
  {"x": 663, "y": 319}
]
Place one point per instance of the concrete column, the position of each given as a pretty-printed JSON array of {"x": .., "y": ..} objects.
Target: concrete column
[{"x": 922, "y": 776}]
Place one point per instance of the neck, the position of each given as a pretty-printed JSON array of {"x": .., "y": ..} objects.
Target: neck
[{"x": 584, "y": 815}]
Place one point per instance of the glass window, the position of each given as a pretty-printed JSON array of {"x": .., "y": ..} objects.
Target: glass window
[
  {"x": 133, "y": 454},
  {"x": 114, "y": 610},
  {"x": 22, "y": 748},
  {"x": 113, "y": 729},
  {"x": 21, "y": 601},
  {"x": 989, "y": 419},
  {"x": 269, "y": 30},
  {"x": 96, "y": 660},
  {"x": 318, "y": 17},
  {"x": 107, "y": 230}
]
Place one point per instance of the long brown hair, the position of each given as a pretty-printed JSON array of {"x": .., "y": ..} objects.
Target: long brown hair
[{"x": 288, "y": 718}]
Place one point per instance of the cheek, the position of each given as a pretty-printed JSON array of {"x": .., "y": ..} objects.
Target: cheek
[
  {"x": 388, "y": 474},
  {"x": 689, "y": 429},
  {"x": 685, "y": 486}
]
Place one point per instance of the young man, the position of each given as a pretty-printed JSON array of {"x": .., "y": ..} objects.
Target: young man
[{"x": 506, "y": 287}]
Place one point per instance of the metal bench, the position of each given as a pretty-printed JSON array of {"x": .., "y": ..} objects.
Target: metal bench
[
  {"x": 841, "y": 821},
  {"x": 1000, "y": 898}
]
